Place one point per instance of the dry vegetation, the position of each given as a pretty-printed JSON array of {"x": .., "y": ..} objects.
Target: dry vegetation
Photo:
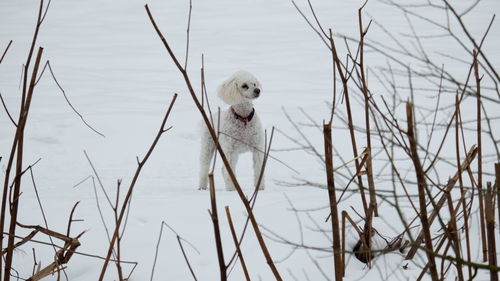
[{"x": 442, "y": 212}]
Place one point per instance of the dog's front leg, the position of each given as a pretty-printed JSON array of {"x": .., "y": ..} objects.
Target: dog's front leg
[
  {"x": 206, "y": 155},
  {"x": 258, "y": 161},
  {"x": 232, "y": 158}
]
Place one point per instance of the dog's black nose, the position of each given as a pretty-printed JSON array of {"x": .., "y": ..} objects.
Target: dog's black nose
[{"x": 257, "y": 91}]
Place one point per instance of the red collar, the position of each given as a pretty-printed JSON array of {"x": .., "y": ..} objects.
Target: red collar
[{"x": 245, "y": 120}]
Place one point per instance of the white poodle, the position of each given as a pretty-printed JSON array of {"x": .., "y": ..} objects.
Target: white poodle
[{"x": 240, "y": 128}]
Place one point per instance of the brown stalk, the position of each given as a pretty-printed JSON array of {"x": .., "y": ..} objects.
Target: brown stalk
[
  {"x": 18, "y": 137},
  {"x": 213, "y": 134},
  {"x": 116, "y": 232},
  {"x": 19, "y": 141},
  {"x": 422, "y": 186},
  {"x": 497, "y": 188},
  {"x": 345, "y": 92},
  {"x": 338, "y": 264},
  {"x": 215, "y": 222},
  {"x": 451, "y": 183},
  {"x": 490, "y": 229},
  {"x": 462, "y": 190},
  {"x": 361, "y": 252},
  {"x": 366, "y": 94},
  {"x": 452, "y": 232},
  {"x": 345, "y": 216},
  {"x": 480, "y": 160},
  {"x": 63, "y": 255},
  {"x": 119, "y": 238},
  {"x": 368, "y": 233},
  {"x": 76, "y": 252},
  {"x": 23, "y": 241},
  {"x": 236, "y": 244}
]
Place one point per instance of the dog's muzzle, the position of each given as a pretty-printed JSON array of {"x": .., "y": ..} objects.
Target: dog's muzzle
[{"x": 256, "y": 92}]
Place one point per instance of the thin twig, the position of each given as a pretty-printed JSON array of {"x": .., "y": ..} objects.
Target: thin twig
[
  {"x": 236, "y": 244},
  {"x": 5, "y": 51},
  {"x": 215, "y": 221},
  {"x": 7, "y": 111},
  {"x": 422, "y": 186},
  {"x": 132, "y": 185}
]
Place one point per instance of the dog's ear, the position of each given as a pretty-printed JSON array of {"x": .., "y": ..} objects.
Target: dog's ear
[{"x": 228, "y": 91}]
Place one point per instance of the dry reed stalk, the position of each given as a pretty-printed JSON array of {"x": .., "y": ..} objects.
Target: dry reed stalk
[
  {"x": 236, "y": 244},
  {"x": 452, "y": 232},
  {"x": 140, "y": 165},
  {"x": 345, "y": 216},
  {"x": 23, "y": 114},
  {"x": 471, "y": 154},
  {"x": 368, "y": 234},
  {"x": 213, "y": 134},
  {"x": 480, "y": 160},
  {"x": 367, "y": 96},
  {"x": 23, "y": 117},
  {"x": 458, "y": 124},
  {"x": 338, "y": 264},
  {"x": 426, "y": 267},
  {"x": 119, "y": 238},
  {"x": 215, "y": 222},
  {"x": 490, "y": 230},
  {"x": 497, "y": 188},
  {"x": 345, "y": 91},
  {"x": 63, "y": 255},
  {"x": 422, "y": 186}
]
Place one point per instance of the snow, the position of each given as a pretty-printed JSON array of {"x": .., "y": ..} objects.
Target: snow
[{"x": 112, "y": 65}]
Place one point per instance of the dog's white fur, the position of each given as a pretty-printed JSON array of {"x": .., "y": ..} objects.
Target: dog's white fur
[{"x": 235, "y": 136}]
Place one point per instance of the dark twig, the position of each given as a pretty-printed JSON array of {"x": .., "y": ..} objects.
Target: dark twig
[
  {"x": 497, "y": 188},
  {"x": 451, "y": 183},
  {"x": 18, "y": 142},
  {"x": 338, "y": 264},
  {"x": 422, "y": 186},
  {"x": 5, "y": 52},
  {"x": 47, "y": 64},
  {"x": 236, "y": 244},
  {"x": 215, "y": 222},
  {"x": 179, "y": 239},
  {"x": 490, "y": 229},
  {"x": 7, "y": 111},
  {"x": 187, "y": 34},
  {"x": 480, "y": 160}
]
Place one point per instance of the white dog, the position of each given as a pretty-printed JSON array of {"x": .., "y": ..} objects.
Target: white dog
[{"x": 240, "y": 128}]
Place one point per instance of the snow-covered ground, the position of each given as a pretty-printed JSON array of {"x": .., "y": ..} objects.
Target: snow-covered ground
[{"x": 113, "y": 67}]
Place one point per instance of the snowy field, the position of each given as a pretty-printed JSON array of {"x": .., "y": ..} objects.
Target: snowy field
[{"x": 113, "y": 67}]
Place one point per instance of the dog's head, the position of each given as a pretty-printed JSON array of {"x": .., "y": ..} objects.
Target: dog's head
[{"x": 240, "y": 87}]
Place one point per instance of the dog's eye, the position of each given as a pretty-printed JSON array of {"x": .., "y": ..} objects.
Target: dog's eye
[{"x": 244, "y": 86}]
